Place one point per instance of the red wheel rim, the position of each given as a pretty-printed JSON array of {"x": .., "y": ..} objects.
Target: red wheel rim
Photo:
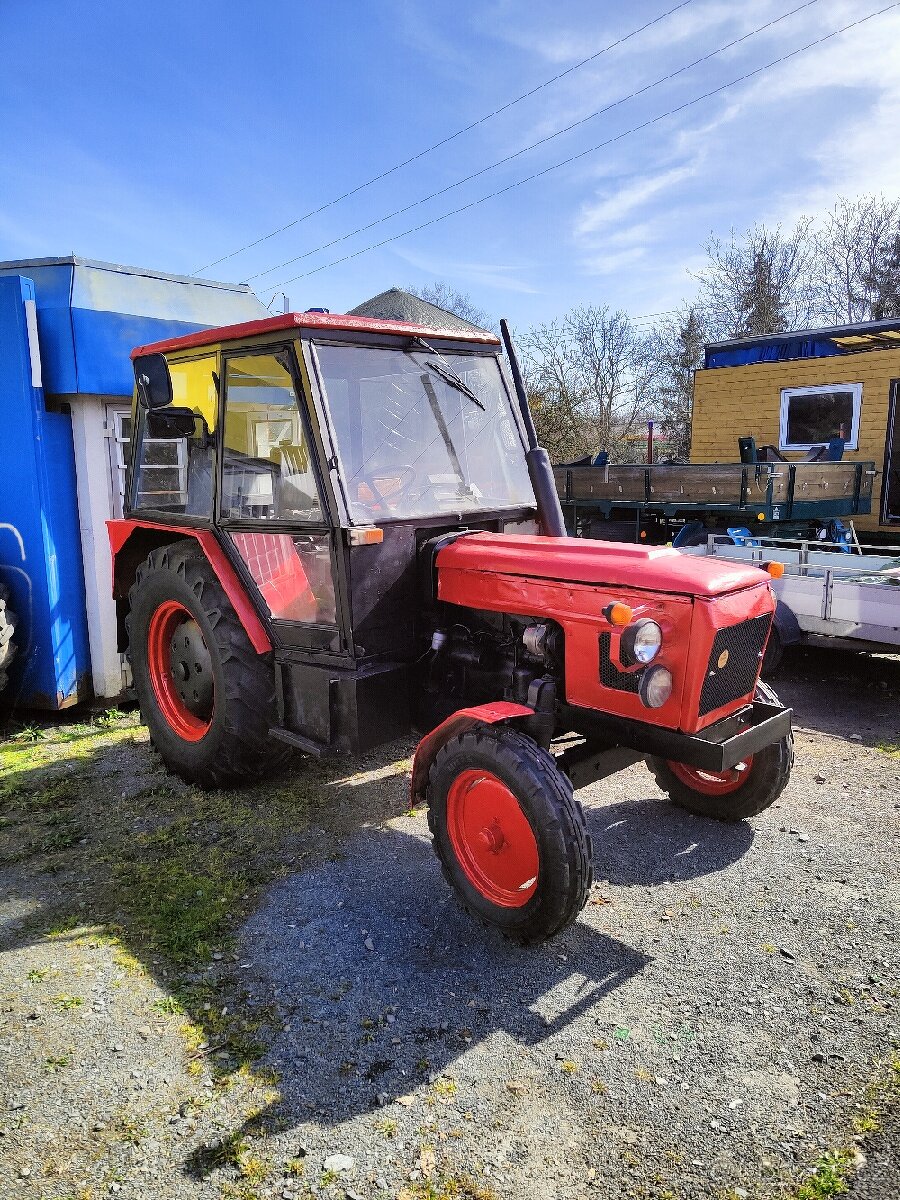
[
  {"x": 713, "y": 783},
  {"x": 180, "y": 670},
  {"x": 492, "y": 839}
]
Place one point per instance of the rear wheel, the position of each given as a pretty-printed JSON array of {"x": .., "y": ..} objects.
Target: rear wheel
[
  {"x": 208, "y": 698},
  {"x": 8, "y": 623},
  {"x": 746, "y": 789},
  {"x": 509, "y": 834}
]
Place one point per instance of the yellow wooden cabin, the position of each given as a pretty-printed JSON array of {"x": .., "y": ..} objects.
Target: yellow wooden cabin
[{"x": 797, "y": 391}]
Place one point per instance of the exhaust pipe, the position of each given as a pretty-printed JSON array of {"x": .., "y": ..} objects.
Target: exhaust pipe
[{"x": 540, "y": 472}]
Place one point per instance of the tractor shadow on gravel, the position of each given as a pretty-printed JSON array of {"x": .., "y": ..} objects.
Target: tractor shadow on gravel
[
  {"x": 646, "y": 842},
  {"x": 364, "y": 1026}
]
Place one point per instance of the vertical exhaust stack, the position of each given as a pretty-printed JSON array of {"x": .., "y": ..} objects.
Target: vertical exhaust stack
[{"x": 540, "y": 472}]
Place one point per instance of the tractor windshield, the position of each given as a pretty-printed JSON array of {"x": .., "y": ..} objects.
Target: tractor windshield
[{"x": 422, "y": 433}]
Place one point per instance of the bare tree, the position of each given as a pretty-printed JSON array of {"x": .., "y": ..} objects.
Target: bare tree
[
  {"x": 887, "y": 282},
  {"x": 447, "y": 297},
  {"x": 677, "y": 347},
  {"x": 762, "y": 283},
  {"x": 854, "y": 248},
  {"x": 590, "y": 383}
]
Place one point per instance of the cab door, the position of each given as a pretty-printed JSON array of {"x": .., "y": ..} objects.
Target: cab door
[{"x": 271, "y": 504}]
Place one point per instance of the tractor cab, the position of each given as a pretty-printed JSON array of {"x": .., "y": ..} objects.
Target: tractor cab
[
  {"x": 320, "y": 452},
  {"x": 338, "y": 529}
]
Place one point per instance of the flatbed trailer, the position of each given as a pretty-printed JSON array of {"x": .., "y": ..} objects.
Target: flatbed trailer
[
  {"x": 825, "y": 598},
  {"x": 656, "y": 503}
]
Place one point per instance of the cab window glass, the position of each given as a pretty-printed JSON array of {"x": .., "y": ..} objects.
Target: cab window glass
[
  {"x": 175, "y": 474},
  {"x": 267, "y": 466},
  {"x": 292, "y": 572}
]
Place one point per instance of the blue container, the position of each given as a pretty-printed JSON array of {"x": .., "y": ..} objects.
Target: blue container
[{"x": 40, "y": 547}]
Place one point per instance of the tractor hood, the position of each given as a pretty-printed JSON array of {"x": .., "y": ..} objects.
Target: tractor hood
[{"x": 580, "y": 560}]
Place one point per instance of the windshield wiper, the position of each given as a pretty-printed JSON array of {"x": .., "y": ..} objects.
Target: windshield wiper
[{"x": 446, "y": 372}]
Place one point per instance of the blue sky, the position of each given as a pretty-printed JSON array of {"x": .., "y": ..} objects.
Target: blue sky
[{"x": 167, "y": 135}]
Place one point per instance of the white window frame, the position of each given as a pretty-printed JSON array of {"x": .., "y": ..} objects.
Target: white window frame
[
  {"x": 855, "y": 389},
  {"x": 119, "y": 445}
]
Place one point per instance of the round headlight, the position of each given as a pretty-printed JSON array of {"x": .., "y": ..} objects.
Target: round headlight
[
  {"x": 641, "y": 642},
  {"x": 656, "y": 687}
]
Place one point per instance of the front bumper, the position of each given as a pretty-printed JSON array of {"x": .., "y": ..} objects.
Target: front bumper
[{"x": 717, "y": 748}]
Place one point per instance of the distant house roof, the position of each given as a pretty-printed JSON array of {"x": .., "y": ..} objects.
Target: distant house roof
[
  {"x": 397, "y": 305},
  {"x": 805, "y": 343}
]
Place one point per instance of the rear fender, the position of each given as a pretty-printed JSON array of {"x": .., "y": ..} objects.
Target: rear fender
[
  {"x": 131, "y": 541},
  {"x": 465, "y": 718}
]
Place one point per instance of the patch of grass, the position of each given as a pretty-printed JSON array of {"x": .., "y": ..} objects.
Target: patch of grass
[
  {"x": 829, "y": 1177},
  {"x": 253, "y": 1168},
  {"x": 56, "y": 1064},
  {"x": 130, "y": 1131},
  {"x": 37, "y": 976},
  {"x": 569, "y": 1066},
  {"x": 184, "y": 906},
  {"x": 226, "y": 1152},
  {"x": 891, "y": 748},
  {"x": 63, "y": 927},
  {"x": 65, "y": 1003},
  {"x": 387, "y": 1127},
  {"x": 446, "y": 1187},
  {"x": 444, "y": 1088},
  {"x": 169, "y": 1005}
]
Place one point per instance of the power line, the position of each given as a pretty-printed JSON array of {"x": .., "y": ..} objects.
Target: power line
[
  {"x": 593, "y": 149},
  {"x": 534, "y": 145},
  {"x": 445, "y": 141}
]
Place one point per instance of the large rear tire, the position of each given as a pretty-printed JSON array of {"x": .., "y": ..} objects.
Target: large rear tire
[
  {"x": 749, "y": 788},
  {"x": 206, "y": 695},
  {"x": 509, "y": 834},
  {"x": 8, "y": 623}
]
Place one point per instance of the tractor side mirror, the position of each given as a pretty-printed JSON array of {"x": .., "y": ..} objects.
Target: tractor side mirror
[
  {"x": 171, "y": 422},
  {"x": 153, "y": 381}
]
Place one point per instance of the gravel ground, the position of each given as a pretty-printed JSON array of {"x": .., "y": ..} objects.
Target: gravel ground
[{"x": 708, "y": 1028}]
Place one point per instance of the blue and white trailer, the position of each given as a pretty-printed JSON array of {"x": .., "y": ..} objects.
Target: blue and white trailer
[{"x": 67, "y": 327}]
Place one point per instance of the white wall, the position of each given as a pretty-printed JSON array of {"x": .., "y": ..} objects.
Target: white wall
[{"x": 95, "y": 508}]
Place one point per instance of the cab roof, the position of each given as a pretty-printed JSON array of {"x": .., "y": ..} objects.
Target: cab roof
[{"x": 312, "y": 322}]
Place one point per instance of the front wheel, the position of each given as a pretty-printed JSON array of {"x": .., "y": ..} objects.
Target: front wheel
[
  {"x": 747, "y": 789},
  {"x": 509, "y": 833}
]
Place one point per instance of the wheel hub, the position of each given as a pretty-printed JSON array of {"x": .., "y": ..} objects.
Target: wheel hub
[
  {"x": 492, "y": 838},
  {"x": 191, "y": 667},
  {"x": 181, "y": 672}
]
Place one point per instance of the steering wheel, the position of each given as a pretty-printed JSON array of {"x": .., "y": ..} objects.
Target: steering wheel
[{"x": 401, "y": 482}]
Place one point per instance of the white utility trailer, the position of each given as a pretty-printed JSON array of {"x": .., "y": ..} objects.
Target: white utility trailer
[{"x": 825, "y": 597}]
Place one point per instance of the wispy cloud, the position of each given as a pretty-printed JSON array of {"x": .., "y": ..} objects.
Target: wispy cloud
[
  {"x": 501, "y": 277},
  {"x": 614, "y": 208}
]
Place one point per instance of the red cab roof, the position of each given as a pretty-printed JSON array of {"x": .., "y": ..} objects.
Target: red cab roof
[{"x": 312, "y": 321}]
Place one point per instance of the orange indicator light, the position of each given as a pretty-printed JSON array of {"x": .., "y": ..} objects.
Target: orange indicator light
[
  {"x": 775, "y": 569},
  {"x": 618, "y": 613},
  {"x": 366, "y": 535}
]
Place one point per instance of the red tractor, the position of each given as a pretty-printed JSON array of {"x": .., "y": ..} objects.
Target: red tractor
[{"x": 338, "y": 529}]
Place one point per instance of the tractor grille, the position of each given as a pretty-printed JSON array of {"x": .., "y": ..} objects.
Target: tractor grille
[
  {"x": 737, "y": 676},
  {"x": 611, "y": 676}
]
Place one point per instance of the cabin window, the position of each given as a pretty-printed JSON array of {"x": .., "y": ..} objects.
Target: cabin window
[
  {"x": 268, "y": 471},
  {"x": 812, "y": 416}
]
